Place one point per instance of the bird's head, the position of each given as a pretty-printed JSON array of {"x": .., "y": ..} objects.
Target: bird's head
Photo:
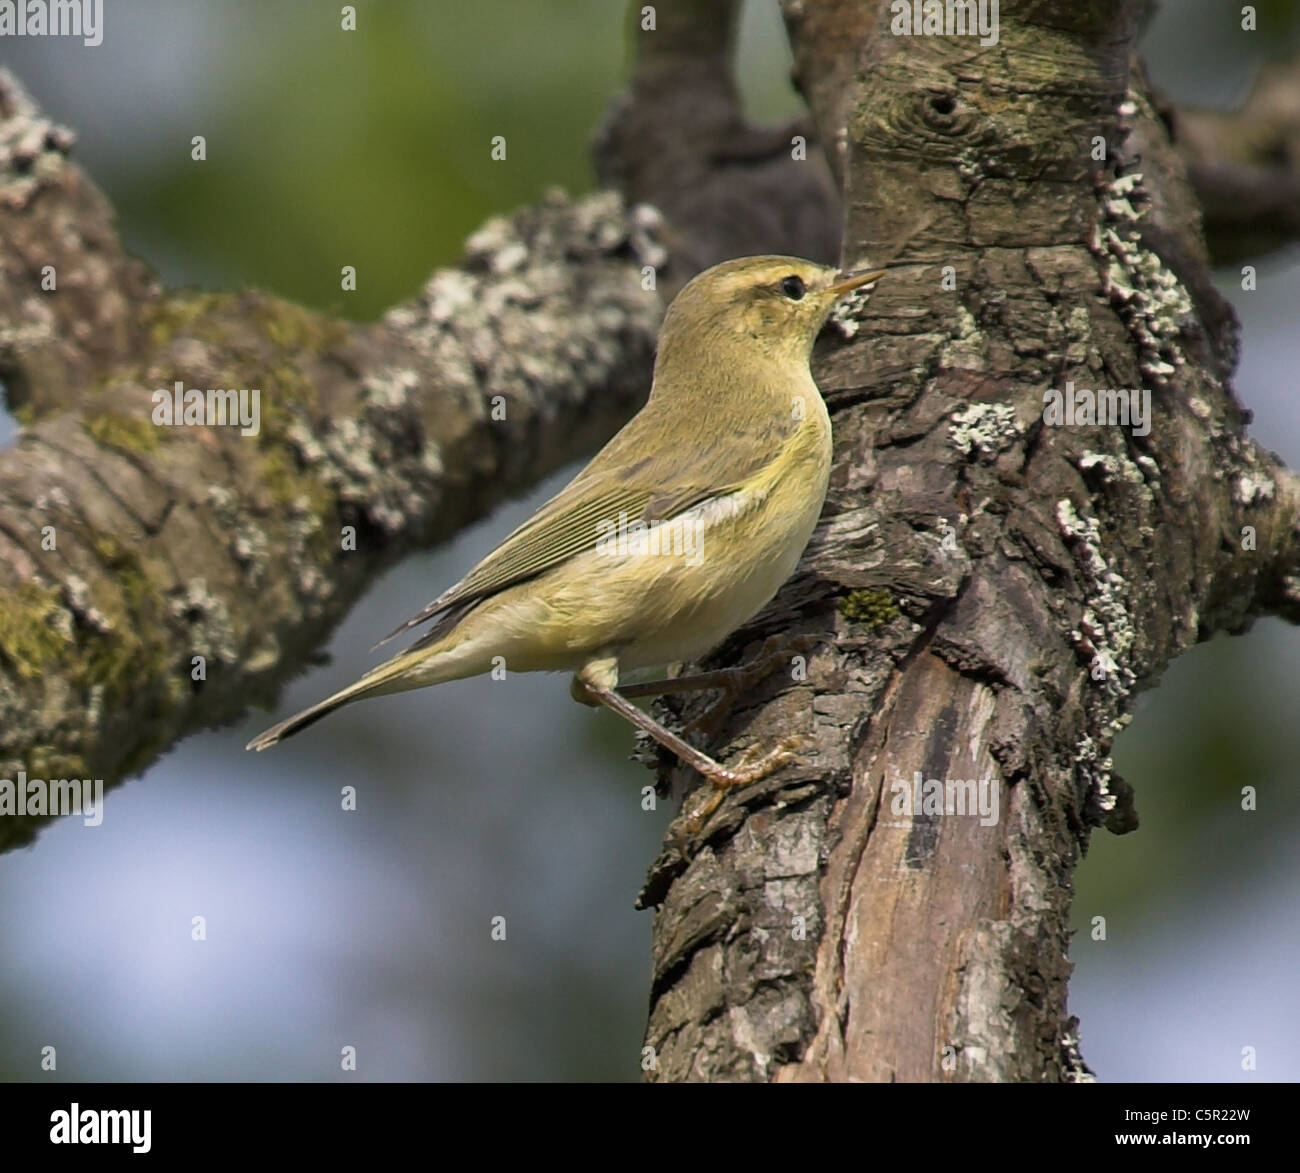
[{"x": 773, "y": 304}]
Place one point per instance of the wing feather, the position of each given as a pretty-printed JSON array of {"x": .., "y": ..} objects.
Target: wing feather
[{"x": 619, "y": 480}]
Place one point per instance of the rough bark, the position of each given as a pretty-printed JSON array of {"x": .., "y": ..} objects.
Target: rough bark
[{"x": 988, "y": 592}]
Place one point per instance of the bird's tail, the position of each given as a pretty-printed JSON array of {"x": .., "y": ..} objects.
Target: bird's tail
[{"x": 383, "y": 679}]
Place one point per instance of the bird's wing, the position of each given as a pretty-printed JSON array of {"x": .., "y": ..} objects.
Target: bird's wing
[
  {"x": 618, "y": 481},
  {"x": 566, "y": 525}
]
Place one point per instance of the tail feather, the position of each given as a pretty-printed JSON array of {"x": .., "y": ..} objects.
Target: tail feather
[
  {"x": 378, "y": 680},
  {"x": 277, "y": 733}
]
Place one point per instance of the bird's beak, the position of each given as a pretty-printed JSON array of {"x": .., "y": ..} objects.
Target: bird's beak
[{"x": 849, "y": 281}]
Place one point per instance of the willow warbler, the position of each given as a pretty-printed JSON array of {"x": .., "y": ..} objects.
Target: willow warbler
[{"x": 680, "y": 529}]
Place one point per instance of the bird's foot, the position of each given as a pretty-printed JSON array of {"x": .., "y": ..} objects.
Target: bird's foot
[{"x": 755, "y": 763}]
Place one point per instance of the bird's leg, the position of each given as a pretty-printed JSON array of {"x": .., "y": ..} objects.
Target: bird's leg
[
  {"x": 750, "y": 768},
  {"x": 731, "y": 681},
  {"x": 597, "y": 683}
]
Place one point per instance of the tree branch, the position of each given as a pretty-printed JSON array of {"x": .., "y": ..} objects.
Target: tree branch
[
  {"x": 678, "y": 140},
  {"x": 128, "y": 549},
  {"x": 1245, "y": 165}
]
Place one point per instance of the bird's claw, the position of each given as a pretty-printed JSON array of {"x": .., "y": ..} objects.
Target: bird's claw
[{"x": 754, "y": 763}]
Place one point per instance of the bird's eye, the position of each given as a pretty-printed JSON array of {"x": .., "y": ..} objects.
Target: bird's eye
[{"x": 792, "y": 287}]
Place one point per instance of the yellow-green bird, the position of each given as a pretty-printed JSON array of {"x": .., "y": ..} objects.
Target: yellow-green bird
[{"x": 680, "y": 529}]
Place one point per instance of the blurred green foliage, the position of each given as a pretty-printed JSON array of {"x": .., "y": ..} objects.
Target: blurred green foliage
[
  {"x": 1212, "y": 727},
  {"x": 373, "y": 148}
]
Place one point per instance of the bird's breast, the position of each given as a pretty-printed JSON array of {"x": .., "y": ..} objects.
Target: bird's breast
[{"x": 747, "y": 543}]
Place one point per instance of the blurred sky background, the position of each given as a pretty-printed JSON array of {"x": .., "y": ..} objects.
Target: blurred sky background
[{"x": 485, "y": 799}]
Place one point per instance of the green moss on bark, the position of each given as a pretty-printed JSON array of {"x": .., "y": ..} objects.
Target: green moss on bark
[
  {"x": 875, "y": 608},
  {"x": 30, "y": 638},
  {"x": 123, "y": 432}
]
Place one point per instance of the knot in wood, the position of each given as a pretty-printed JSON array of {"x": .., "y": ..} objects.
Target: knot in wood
[{"x": 940, "y": 110}]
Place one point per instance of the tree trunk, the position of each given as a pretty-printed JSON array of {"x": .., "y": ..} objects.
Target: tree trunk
[{"x": 985, "y": 596}]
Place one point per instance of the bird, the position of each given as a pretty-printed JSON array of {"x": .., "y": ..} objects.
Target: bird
[{"x": 680, "y": 529}]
